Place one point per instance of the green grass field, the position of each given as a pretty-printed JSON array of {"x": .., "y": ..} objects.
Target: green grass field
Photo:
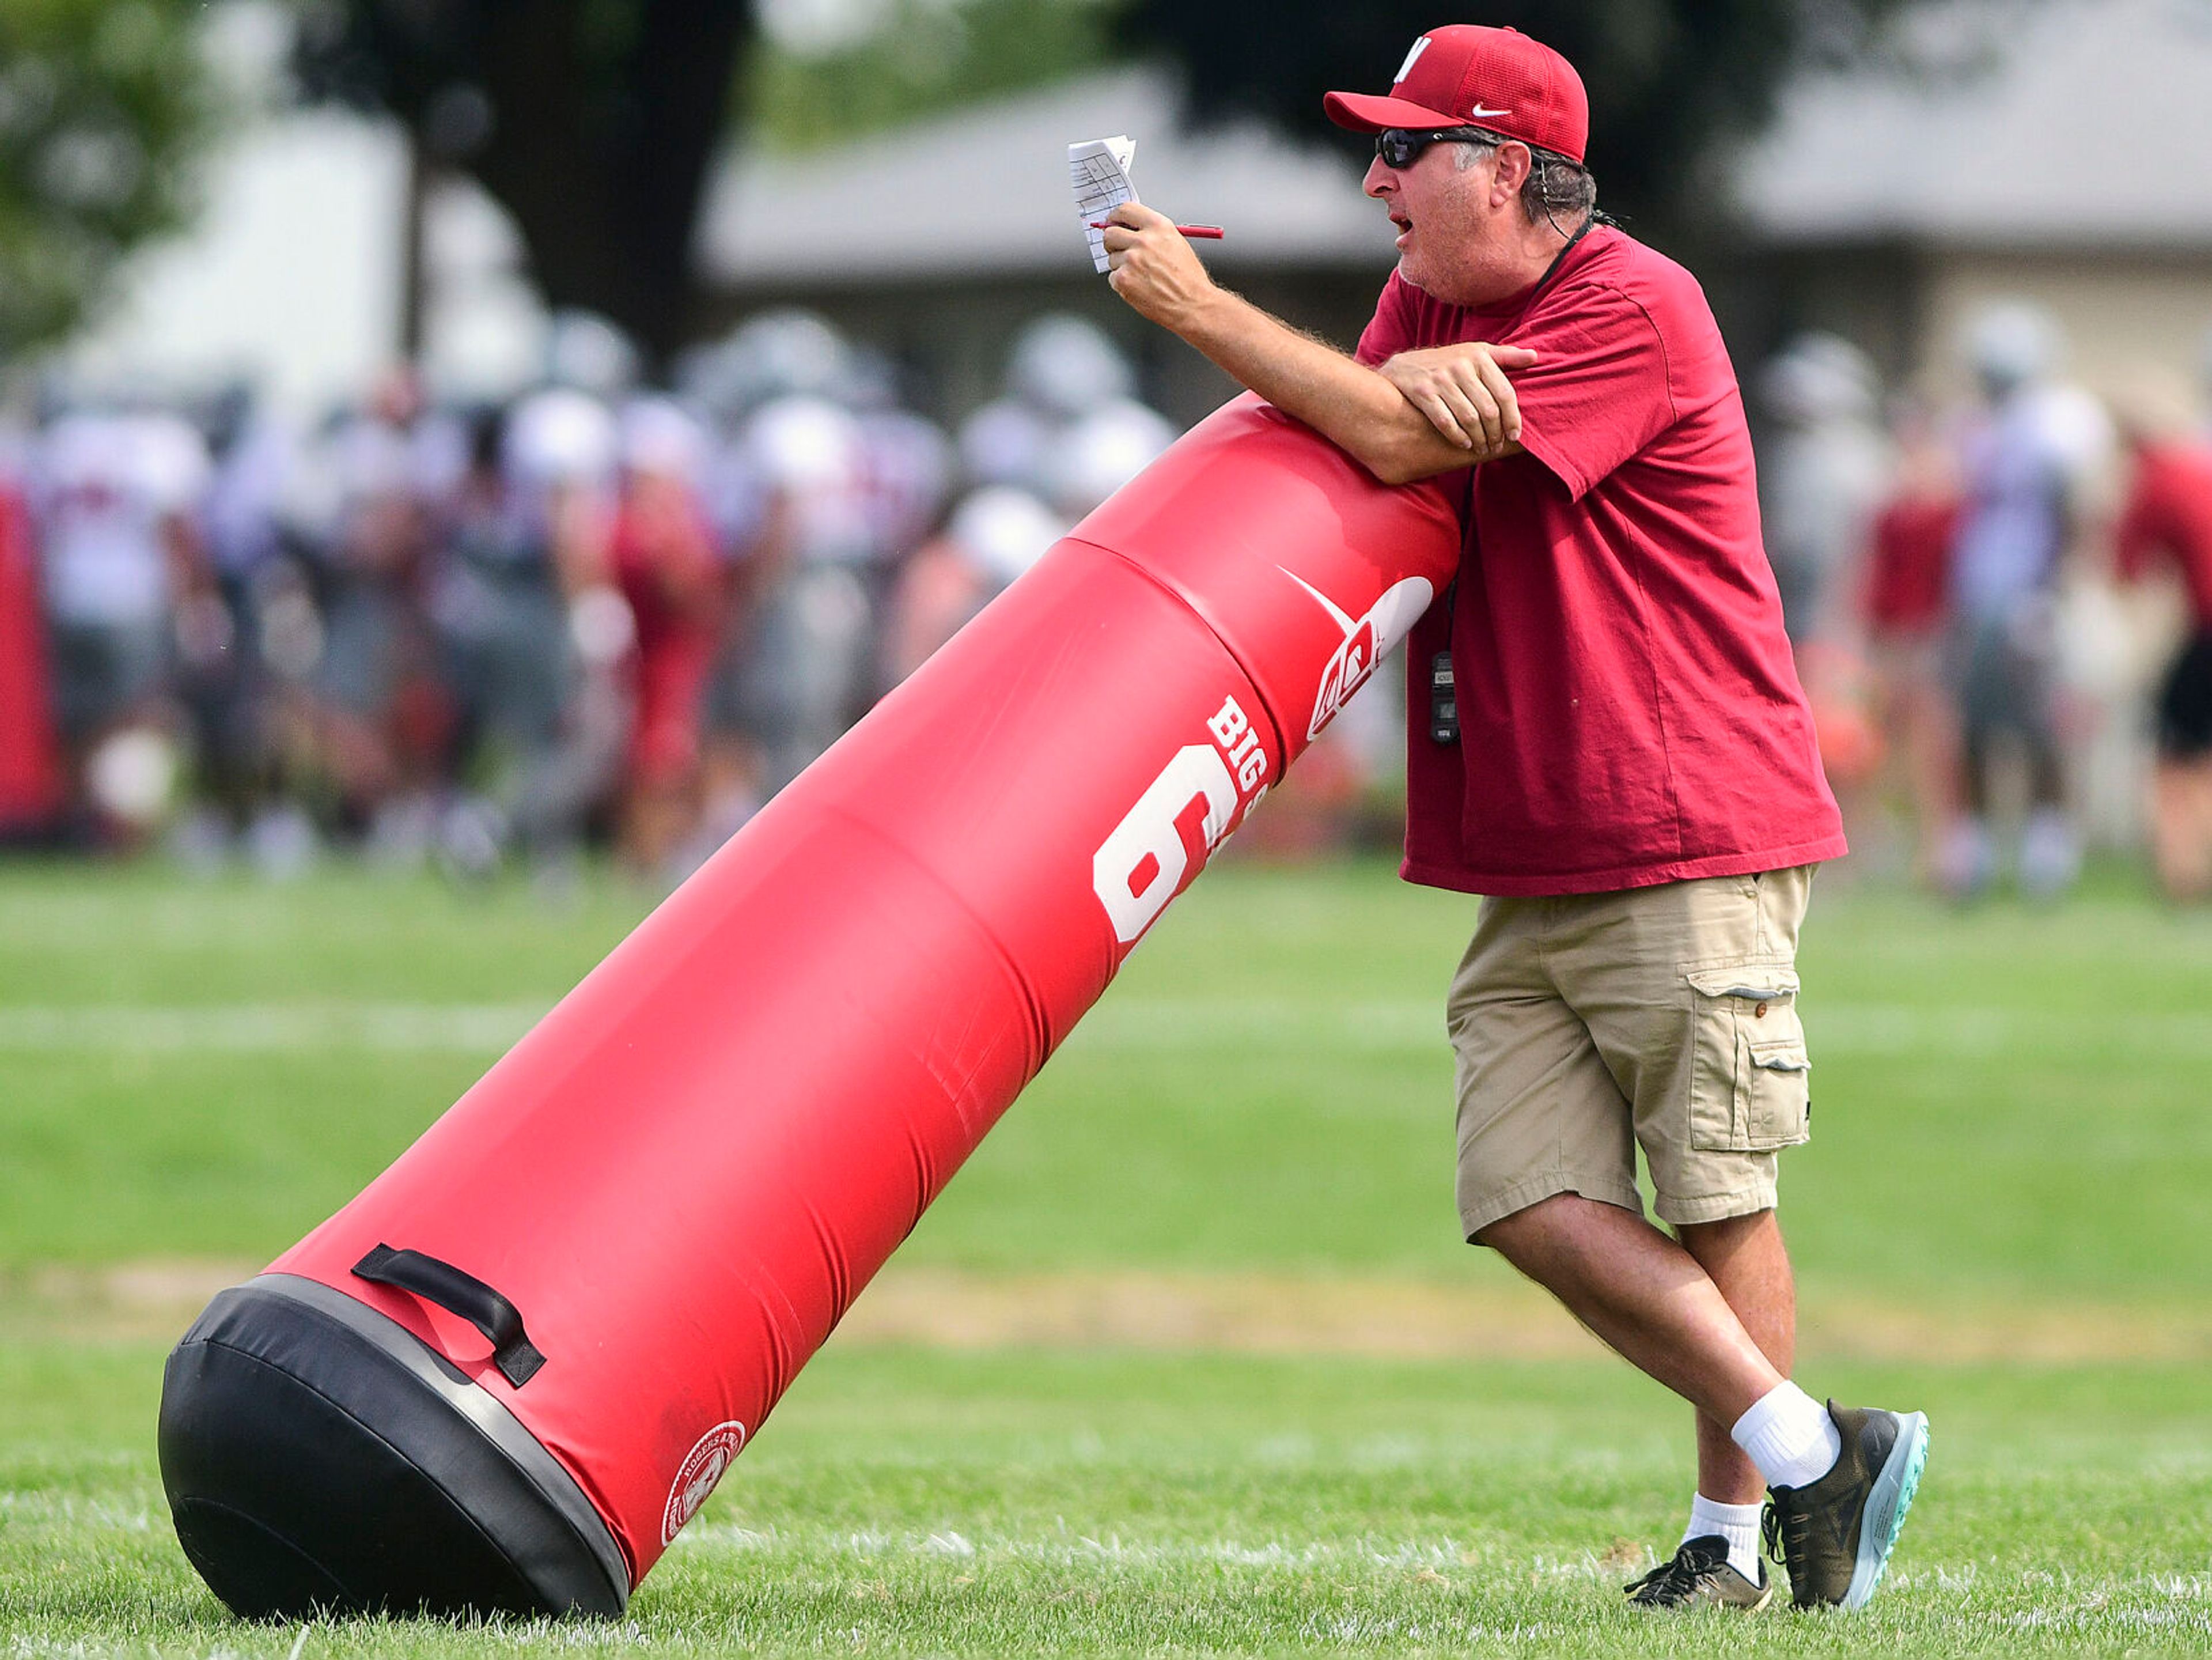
[{"x": 2002, "y": 1220}]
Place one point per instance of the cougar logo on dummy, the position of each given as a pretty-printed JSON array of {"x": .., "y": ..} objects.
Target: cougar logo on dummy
[
  {"x": 696, "y": 1478},
  {"x": 1187, "y": 811},
  {"x": 1367, "y": 642}
]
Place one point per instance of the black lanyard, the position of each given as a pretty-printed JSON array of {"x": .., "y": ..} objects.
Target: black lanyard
[{"x": 1560, "y": 258}]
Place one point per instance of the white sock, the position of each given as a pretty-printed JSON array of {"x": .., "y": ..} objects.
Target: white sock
[
  {"x": 1790, "y": 1436},
  {"x": 1737, "y": 1523}
]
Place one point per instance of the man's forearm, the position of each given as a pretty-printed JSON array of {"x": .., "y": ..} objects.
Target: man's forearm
[
  {"x": 1340, "y": 399},
  {"x": 1379, "y": 422}
]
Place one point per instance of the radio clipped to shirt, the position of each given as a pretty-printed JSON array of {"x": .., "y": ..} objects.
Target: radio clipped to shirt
[{"x": 1444, "y": 701}]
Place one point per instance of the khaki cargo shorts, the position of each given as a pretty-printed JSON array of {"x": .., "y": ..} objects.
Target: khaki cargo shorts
[{"x": 1665, "y": 1017}]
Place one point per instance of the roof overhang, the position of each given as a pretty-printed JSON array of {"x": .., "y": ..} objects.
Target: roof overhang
[{"x": 984, "y": 193}]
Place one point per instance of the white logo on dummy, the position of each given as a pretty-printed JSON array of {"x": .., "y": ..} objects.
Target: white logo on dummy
[
  {"x": 1411, "y": 58},
  {"x": 696, "y": 1477},
  {"x": 1367, "y": 640}
]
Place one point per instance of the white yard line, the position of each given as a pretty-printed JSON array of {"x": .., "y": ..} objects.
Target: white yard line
[
  {"x": 262, "y": 1028},
  {"x": 1840, "y": 1028},
  {"x": 1132, "y": 1025}
]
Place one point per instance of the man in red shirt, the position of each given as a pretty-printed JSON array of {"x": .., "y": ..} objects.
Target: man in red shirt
[
  {"x": 2169, "y": 513},
  {"x": 1905, "y": 604},
  {"x": 1633, "y": 782}
]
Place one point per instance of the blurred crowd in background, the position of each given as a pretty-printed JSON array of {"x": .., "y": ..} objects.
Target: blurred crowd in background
[
  {"x": 602, "y": 613},
  {"x": 2002, "y": 606},
  {"x": 605, "y": 614}
]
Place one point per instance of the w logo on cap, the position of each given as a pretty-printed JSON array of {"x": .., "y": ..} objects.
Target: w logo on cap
[{"x": 1411, "y": 58}]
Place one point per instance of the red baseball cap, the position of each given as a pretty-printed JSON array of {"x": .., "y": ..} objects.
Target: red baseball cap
[{"x": 1466, "y": 76}]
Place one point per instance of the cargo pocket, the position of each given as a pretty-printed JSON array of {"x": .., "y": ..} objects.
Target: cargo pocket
[{"x": 1750, "y": 1078}]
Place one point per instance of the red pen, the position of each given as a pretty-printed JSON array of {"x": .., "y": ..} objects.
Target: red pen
[{"x": 1210, "y": 232}]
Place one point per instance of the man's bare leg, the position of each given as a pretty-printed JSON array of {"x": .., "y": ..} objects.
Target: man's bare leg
[
  {"x": 2181, "y": 829},
  {"x": 1749, "y": 1263},
  {"x": 1646, "y": 1296}
]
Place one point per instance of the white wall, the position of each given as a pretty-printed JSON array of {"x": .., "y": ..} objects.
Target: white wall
[
  {"x": 290, "y": 274},
  {"x": 2122, "y": 312}
]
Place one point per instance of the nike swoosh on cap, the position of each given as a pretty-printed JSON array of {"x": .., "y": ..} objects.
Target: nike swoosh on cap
[{"x": 1479, "y": 110}]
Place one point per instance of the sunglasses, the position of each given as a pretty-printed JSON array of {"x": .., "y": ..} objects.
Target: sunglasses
[{"x": 1400, "y": 146}]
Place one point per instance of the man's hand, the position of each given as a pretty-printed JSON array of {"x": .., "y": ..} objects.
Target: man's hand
[
  {"x": 1151, "y": 265},
  {"x": 1463, "y": 392},
  {"x": 1428, "y": 422}
]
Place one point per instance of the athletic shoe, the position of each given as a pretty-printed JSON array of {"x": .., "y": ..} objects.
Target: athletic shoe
[
  {"x": 2049, "y": 856},
  {"x": 1966, "y": 862},
  {"x": 1699, "y": 1573},
  {"x": 1836, "y": 1534}
]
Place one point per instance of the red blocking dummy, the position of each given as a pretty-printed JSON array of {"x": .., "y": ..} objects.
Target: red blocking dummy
[
  {"x": 32, "y": 786},
  {"x": 509, "y": 1372}
]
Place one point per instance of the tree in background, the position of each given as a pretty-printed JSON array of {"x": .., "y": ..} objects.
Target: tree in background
[
  {"x": 869, "y": 64},
  {"x": 593, "y": 122},
  {"x": 103, "y": 105},
  {"x": 1669, "y": 81}
]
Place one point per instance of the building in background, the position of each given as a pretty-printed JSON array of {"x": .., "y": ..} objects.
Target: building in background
[
  {"x": 2059, "y": 153},
  {"x": 938, "y": 240}
]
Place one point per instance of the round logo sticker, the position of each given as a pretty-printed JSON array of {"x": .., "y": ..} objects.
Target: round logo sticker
[{"x": 702, "y": 1466}]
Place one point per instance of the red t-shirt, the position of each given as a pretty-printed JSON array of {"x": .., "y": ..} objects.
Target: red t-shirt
[
  {"x": 1629, "y": 711},
  {"x": 1909, "y": 583},
  {"x": 2170, "y": 510}
]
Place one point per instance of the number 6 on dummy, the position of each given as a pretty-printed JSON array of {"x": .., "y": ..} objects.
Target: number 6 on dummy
[
  {"x": 1186, "y": 813},
  {"x": 507, "y": 1373}
]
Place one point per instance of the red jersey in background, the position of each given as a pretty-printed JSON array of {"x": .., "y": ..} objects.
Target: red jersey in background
[
  {"x": 1909, "y": 570},
  {"x": 664, "y": 561},
  {"x": 2169, "y": 510}
]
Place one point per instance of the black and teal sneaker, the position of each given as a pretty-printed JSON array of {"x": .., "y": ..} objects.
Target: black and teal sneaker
[{"x": 1836, "y": 1534}]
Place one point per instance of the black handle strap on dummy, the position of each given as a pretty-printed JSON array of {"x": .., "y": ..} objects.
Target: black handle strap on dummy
[{"x": 441, "y": 1283}]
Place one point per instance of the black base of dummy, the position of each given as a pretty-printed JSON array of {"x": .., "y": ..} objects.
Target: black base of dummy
[{"x": 320, "y": 1459}]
